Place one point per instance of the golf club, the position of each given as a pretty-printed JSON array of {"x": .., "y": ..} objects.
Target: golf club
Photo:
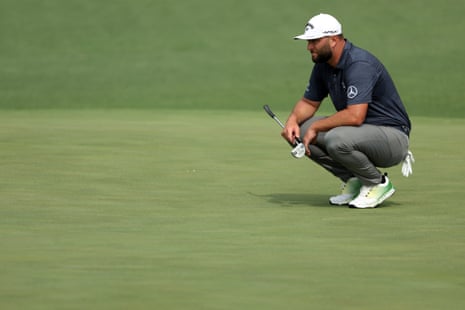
[{"x": 298, "y": 148}]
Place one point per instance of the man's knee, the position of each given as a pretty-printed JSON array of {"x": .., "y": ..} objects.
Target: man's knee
[
  {"x": 336, "y": 142},
  {"x": 307, "y": 123}
]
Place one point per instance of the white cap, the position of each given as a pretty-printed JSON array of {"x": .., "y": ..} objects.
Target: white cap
[{"x": 321, "y": 25}]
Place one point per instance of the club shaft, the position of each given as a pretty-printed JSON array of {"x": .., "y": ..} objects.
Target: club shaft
[
  {"x": 273, "y": 116},
  {"x": 278, "y": 121}
]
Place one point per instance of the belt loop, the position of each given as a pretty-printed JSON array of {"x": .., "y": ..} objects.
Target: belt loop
[{"x": 406, "y": 130}]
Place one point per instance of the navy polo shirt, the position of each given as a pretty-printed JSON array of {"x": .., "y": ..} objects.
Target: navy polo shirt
[{"x": 359, "y": 77}]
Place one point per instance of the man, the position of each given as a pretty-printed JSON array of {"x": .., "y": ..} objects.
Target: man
[{"x": 370, "y": 128}]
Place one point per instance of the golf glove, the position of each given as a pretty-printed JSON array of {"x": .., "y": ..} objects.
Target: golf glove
[{"x": 407, "y": 164}]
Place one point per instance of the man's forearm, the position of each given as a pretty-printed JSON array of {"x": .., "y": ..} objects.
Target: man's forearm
[
  {"x": 303, "y": 110},
  {"x": 352, "y": 116}
]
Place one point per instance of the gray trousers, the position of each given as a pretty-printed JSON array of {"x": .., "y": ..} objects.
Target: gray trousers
[{"x": 349, "y": 151}]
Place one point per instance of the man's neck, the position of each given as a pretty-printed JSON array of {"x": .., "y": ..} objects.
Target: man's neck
[{"x": 337, "y": 53}]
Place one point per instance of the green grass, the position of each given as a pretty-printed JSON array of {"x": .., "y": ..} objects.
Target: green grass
[
  {"x": 173, "y": 209},
  {"x": 210, "y": 54},
  {"x": 139, "y": 172}
]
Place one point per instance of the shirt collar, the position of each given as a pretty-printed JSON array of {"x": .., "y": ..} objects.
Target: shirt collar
[{"x": 344, "y": 56}]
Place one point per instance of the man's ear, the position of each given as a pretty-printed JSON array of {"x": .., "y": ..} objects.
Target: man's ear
[{"x": 333, "y": 41}]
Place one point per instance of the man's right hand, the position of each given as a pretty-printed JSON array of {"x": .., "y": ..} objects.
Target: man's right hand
[
  {"x": 290, "y": 131},
  {"x": 303, "y": 110}
]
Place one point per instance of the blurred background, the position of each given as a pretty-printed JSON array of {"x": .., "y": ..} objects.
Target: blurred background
[{"x": 207, "y": 54}]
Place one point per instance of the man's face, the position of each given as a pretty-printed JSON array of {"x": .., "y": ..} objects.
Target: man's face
[{"x": 320, "y": 50}]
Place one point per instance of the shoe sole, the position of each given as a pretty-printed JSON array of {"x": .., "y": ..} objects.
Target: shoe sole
[
  {"x": 383, "y": 198},
  {"x": 340, "y": 203}
]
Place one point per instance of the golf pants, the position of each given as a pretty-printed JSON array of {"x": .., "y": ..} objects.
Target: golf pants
[{"x": 349, "y": 151}]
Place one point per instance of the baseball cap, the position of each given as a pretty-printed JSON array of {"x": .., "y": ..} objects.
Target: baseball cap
[{"x": 319, "y": 26}]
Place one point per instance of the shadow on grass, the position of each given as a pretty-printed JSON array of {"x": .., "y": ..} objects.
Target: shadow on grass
[
  {"x": 309, "y": 200},
  {"x": 292, "y": 199},
  {"x": 289, "y": 199}
]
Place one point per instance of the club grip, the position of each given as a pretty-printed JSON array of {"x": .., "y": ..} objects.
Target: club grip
[{"x": 268, "y": 110}]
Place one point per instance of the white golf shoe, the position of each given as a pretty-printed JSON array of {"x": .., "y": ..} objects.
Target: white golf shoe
[
  {"x": 350, "y": 190},
  {"x": 373, "y": 196}
]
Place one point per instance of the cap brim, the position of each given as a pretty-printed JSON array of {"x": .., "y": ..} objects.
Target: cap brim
[
  {"x": 300, "y": 37},
  {"x": 307, "y": 37}
]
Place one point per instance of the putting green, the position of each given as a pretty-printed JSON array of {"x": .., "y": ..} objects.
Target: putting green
[{"x": 174, "y": 209}]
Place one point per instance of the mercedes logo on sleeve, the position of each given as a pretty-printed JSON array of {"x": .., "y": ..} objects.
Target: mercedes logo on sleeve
[{"x": 352, "y": 92}]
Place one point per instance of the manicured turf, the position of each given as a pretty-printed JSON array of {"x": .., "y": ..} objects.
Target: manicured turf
[
  {"x": 210, "y": 54},
  {"x": 169, "y": 209},
  {"x": 139, "y": 172}
]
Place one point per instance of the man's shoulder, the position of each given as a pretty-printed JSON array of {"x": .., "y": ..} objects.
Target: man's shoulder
[{"x": 357, "y": 54}]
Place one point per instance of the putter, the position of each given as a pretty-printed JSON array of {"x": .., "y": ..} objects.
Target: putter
[{"x": 298, "y": 148}]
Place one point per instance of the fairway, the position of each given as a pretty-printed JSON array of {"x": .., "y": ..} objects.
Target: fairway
[
  {"x": 139, "y": 170},
  {"x": 207, "y": 210}
]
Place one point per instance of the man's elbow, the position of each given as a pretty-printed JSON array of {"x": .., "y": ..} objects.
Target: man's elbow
[
  {"x": 358, "y": 121},
  {"x": 358, "y": 114}
]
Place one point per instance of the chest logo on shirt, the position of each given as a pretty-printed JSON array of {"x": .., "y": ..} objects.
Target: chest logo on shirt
[{"x": 352, "y": 92}]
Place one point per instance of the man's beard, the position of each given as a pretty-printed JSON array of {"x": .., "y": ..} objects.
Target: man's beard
[{"x": 323, "y": 56}]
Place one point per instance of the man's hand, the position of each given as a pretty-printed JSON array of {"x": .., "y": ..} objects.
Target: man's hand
[
  {"x": 290, "y": 131},
  {"x": 304, "y": 109},
  {"x": 310, "y": 137}
]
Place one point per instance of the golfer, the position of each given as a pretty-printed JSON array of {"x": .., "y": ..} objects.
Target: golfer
[{"x": 370, "y": 127}]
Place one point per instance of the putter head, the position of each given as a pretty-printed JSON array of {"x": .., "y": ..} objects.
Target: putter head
[{"x": 298, "y": 151}]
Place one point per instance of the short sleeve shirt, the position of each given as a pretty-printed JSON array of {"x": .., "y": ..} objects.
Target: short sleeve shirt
[{"x": 359, "y": 77}]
